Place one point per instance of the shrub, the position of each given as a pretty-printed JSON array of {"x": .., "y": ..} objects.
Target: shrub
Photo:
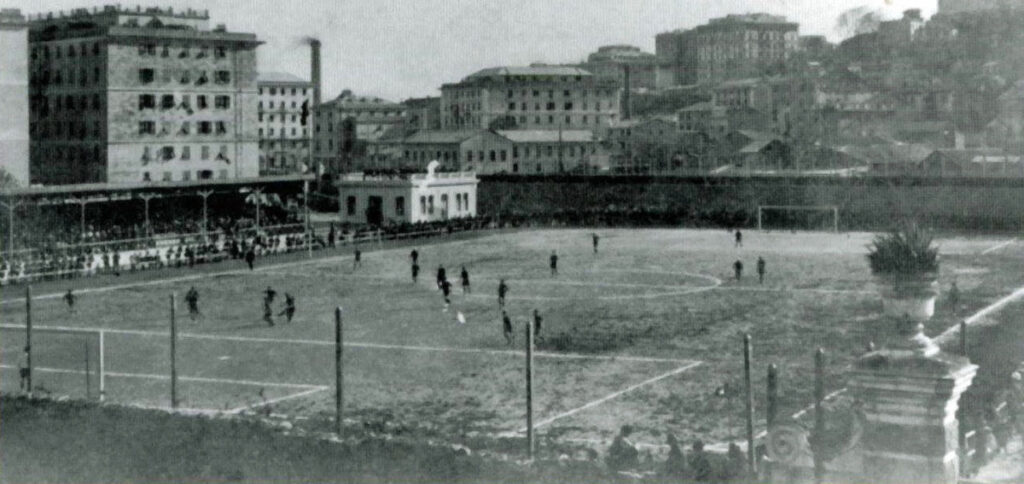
[{"x": 905, "y": 251}]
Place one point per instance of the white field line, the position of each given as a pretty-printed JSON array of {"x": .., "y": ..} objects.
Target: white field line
[
  {"x": 991, "y": 308},
  {"x": 150, "y": 376},
  {"x": 612, "y": 395},
  {"x": 997, "y": 247},
  {"x": 441, "y": 349},
  {"x": 276, "y": 400},
  {"x": 787, "y": 289}
]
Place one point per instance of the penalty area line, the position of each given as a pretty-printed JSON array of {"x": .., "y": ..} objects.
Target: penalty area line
[
  {"x": 149, "y": 376},
  {"x": 610, "y": 396},
  {"x": 997, "y": 247},
  {"x": 277, "y": 400}
]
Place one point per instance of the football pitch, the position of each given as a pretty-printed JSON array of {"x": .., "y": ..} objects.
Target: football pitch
[{"x": 647, "y": 331}]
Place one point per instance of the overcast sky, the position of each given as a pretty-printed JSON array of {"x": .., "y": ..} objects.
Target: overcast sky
[{"x": 407, "y": 48}]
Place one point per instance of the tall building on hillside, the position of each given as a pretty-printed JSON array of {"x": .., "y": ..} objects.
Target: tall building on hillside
[
  {"x": 958, "y": 6},
  {"x": 731, "y": 47},
  {"x": 609, "y": 62},
  {"x": 345, "y": 125},
  {"x": 535, "y": 97},
  {"x": 284, "y": 100},
  {"x": 14, "y": 136},
  {"x": 132, "y": 95}
]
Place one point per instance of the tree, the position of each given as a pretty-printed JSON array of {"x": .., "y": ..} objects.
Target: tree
[{"x": 7, "y": 181}]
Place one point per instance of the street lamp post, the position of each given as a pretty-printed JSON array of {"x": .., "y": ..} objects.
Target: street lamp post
[{"x": 146, "y": 197}]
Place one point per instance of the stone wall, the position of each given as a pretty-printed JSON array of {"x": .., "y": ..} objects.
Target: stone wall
[{"x": 864, "y": 204}]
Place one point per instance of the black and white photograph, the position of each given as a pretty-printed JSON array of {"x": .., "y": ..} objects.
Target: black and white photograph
[{"x": 512, "y": 241}]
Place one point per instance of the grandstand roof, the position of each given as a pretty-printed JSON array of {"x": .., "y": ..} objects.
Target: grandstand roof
[
  {"x": 100, "y": 188},
  {"x": 548, "y": 136}
]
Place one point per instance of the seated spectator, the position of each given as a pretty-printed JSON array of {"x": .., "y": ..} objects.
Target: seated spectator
[
  {"x": 622, "y": 455},
  {"x": 700, "y": 465},
  {"x": 675, "y": 465}
]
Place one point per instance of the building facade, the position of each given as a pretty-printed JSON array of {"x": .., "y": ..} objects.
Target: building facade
[
  {"x": 14, "y": 95},
  {"x": 346, "y": 126},
  {"x": 132, "y": 95},
  {"x": 389, "y": 200},
  {"x": 958, "y": 6},
  {"x": 535, "y": 97},
  {"x": 285, "y": 107},
  {"x": 609, "y": 62},
  {"x": 731, "y": 47}
]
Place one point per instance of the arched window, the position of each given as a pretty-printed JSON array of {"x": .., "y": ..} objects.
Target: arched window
[{"x": 423, "y": 205}]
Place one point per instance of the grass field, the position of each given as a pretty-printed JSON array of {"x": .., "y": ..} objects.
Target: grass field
[{"x": 643, "y": 332}]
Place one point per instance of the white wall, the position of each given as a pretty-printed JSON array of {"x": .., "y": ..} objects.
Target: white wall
[{"x": 14, "y": 101}]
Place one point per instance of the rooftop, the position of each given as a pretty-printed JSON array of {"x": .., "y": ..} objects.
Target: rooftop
[
  {"x": 534, "y": 70},
  {"x": 347, "y": 99},
  {"x": 548, "y": 136},
  {"x": 280, "y": 78}
]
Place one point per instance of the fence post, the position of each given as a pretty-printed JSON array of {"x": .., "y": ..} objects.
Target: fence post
[
  {"x": 102, "y": 367},
  {"x": 88, "y": 384},
  {"x": 963, "y": 338},
  {"x": 819, "y": 415},
  {"x": 773, "y": 395},
  {"x": 338, "y": 374},
  {"x": 28, "y": 337},
  {"x": 751, "y": 465},
  {"x": 174, "y": 357},
  {"x": 529, "y": 389}
]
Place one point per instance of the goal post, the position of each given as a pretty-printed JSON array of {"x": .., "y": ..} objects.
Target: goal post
[
  {"x": 57, "y": 362},
  {"x": 810, "y": 216}
]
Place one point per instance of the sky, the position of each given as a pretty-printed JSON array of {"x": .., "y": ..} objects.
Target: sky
[{"x": 397, "y": 49}]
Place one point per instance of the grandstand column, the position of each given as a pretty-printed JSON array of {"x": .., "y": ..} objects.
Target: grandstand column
[
  {"x": 205, "y": 194},
  {"x": 10, "y": 226},
  {"x": 259, "y": 201},
  {"x": 146, "y": 197}
]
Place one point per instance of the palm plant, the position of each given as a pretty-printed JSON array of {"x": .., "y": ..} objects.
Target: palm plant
[{"x": 907, "y": 251}]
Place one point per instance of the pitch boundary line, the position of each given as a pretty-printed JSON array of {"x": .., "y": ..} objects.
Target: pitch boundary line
[
  {"x": 610, "y": 396},
  {"x": 356, "y": 344},
  {"x": 151, "y": 376},
  {"x": 272, "y": 401},
  {"x": 997, "y": 247}
]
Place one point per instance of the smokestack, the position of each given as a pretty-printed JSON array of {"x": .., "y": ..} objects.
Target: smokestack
[
  {"x": 314, "y": 66},
  {"x": 627, "y": 106}
]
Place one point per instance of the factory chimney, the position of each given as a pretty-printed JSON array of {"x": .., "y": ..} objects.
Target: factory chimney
[
  {"x": 314, "y": 65},
  {"x": 627, "y": 106}
]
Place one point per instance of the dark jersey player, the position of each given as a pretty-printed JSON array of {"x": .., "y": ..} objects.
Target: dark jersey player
[
  {"x": 554, "y": 263},
  {"x": 441, "y": 276},
  {"x": 506, "y": 327},
  {"x": 289, "y": 307},
  {"x": 738, "y": 269},
  {"x": 464, "y": 276},
  {"x": 502, "y": 292},
  {"x": 415, "y": 272},
  {"x": 69, "y": 299},
  {"x": 192, "y": 298},
  {"x": 415, "y": 256},
  {"x": 761, "y": 269},
  {"x": 446, "y": 289},
  {"x": 596, "y": 241},
  {"x": 739, "y": 238}
]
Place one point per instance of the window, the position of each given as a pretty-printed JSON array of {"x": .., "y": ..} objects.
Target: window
[
  {"x": 186, "y": 128},
  {"x": 223, "y": 174},
  {"x": 273, "y": 92},
  {"x": 568, "y": 106},
  {"x": 551, "y": 106},
  {"x": 167, "y": 176},
  {"x": 186, "y": 175},
  {"x": 147, "y": 101},
  {"x": 222, "y": 102},
  {"x": 458, "y": 202},
  {"x": 515, "y": 152},
  {"x": 186, "y": 153},
  {"x": 222, "y": 77},
  {"x": 205, "y": 128},
  {"x": 350, "y": 205},
  {"x": 147, "y": 127},
  {"x": 146, "y": 76},
  {"x": 469, "y": 156},
  {"x": 205, "y": 152},
  {"x": 492, "y": 155},
  {"x": 167, "y": 101},
  {"x": 503, "y": 155},
  {"x": 222, "y": 127},
  {"x": 201, "y": 101},
  {"x": 202, "y": 79},
  {"x": 511, "y": 106},
  {"x": 423, "y": 205},
  {"x": 430, "y": 204},
  {"x": 220, "y": 52},
  {"x": 167, "y": 153},
  {"x": 399, "y": 205},
  {"x": 145, "y": 176}
]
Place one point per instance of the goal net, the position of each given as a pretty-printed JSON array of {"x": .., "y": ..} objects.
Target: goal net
[
  {"x": 64, "y": 362},
  {"x": 798, "y": 217}
]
